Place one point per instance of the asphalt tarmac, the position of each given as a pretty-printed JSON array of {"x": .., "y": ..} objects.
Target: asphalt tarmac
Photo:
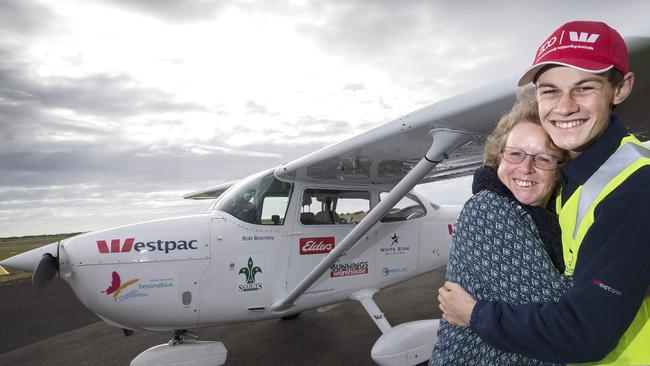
[{"x": 51, "y": 327}]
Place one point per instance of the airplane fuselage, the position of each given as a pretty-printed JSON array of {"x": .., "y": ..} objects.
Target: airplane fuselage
[{"x": 216, "y": 268}]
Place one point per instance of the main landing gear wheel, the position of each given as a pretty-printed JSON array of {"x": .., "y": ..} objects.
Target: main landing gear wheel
[
  {"x": 183, "y": 349},
  {"x": 290, "y": 317}
]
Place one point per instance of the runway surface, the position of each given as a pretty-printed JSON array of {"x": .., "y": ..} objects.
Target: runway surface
[{"x": 51, "y": 327}]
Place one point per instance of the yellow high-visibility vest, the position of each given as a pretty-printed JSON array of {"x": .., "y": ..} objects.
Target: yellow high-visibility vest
[{"x": 577, "y": 216}]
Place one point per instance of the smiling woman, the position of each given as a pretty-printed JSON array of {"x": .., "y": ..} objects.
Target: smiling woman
[
  {"x": 506, "y": 245},
  {"x": 529, "y": 166}
]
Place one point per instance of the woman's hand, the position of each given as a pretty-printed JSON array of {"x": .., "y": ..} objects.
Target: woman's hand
[{"x": 456, "y": 304}]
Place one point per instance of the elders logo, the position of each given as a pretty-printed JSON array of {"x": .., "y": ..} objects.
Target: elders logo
[
  {"x": 316, "y": 245},
  {"x": 150, "y": 246}
]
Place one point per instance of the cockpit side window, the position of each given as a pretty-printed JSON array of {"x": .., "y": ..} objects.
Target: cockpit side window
[
  {"x": 260, "y": 200},
  {"x": 408, "y": 208},
  {"x": 333, "y": 207}
]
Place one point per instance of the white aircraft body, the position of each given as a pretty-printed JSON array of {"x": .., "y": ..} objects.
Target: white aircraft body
[{"x": 341, "y": 223}]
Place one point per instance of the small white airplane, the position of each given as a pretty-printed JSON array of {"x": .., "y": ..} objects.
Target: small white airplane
[{"x": 341, "y": 223}]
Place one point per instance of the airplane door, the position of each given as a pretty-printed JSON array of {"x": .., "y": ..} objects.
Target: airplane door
[
  {"x": 249, "y": 242},
  {"x": 326, "y": 216},
  {"x": 236, "y": 285}
]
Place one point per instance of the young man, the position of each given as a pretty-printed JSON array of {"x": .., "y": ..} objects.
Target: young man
[{"x": 581, "y": 74}]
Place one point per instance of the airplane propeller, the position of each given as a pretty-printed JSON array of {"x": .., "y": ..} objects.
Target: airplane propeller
[
  {"x": 43, "y": 262},
  {"x": 45, "y": 270}
]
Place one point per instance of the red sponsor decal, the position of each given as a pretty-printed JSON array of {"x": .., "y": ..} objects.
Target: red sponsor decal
[
  {"x": 316, "y": 245},
  {"x": 349, "y": 269},
  {"x": 115, "y": 246},
  {"x": 349, "y": 272},
  {"x": 606, "y": 287},
  {"x": 450, "y": 228}
]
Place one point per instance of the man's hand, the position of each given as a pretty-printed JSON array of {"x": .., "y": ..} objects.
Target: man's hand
[{"x": 456, "y": 304}]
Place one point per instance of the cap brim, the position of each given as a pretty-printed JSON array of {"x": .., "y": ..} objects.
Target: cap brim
[{"x": 591, "y": 67}]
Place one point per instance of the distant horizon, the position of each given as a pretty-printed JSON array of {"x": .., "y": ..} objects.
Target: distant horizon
[
  {"x": 42, "y": 235},
  {"x": 452, "y": 191}
]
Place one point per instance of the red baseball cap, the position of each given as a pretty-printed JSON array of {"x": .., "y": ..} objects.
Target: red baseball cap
[{"x": 593, "y": 47}]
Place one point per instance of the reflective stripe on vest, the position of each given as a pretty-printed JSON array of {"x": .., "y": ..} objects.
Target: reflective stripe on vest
[
  {"x": 577, "y": 216},
  {"x": 615, "y": 165}
]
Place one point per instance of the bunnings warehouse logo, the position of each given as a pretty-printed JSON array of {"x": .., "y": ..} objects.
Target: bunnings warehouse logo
[
  {"x": 349, "y": 269},
  {"x": 249, "y": 272}
]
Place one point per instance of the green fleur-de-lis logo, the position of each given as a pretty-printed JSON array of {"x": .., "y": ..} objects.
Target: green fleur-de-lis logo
[{"x": 250, "y": 272}]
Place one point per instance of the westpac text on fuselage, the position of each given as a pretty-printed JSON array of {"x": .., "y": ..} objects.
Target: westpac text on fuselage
[{"x": 150, "y": 246}]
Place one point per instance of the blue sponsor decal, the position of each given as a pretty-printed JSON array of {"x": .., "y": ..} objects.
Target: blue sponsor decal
[{"x": 388, "y": 271}]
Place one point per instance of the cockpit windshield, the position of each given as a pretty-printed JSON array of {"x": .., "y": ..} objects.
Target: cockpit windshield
[{"x": 261, "y": 199}]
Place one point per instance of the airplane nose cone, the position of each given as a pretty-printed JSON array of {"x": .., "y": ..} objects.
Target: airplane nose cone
[{"x": 29, "y": 260}]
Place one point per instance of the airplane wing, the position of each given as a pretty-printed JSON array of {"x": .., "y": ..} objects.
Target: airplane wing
[
  {"x": 385, "y": 154},
  {"x": 210, "y": 192}
]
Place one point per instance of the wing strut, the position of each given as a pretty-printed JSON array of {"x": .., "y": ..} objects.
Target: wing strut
[{"x": 445, "y": 141}]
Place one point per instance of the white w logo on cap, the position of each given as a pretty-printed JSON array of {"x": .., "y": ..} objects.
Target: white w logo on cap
[{"x": 584, "y": 37}]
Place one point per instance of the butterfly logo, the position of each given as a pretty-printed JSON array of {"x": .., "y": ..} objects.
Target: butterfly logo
[{"x": 116, "y": 286}]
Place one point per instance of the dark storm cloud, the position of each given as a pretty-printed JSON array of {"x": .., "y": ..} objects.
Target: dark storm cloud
[
  {"x": 105, "y": 95},
  {"x": 109, "y": 96},
  {"x": 360, "y": 28},
  {"x": 122, "y": 168},
  {"x": 428, "y": 47},
  {"x": 39, "y": 148},
  {"x": 21, "y": 18},
  {"x": 108, "y": 163},
  {"x": 444, "y": 47},
  {"x": 35, "y": 140}
]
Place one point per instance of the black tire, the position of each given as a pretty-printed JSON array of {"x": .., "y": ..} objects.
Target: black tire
[{"x": 290, "y": 317}]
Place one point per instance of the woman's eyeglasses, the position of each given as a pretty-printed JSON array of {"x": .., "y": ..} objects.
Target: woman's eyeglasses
[{"x": 542, "y": 161}]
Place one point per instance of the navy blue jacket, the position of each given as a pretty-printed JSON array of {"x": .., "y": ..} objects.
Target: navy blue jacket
[{"x": 587, "y": 322}]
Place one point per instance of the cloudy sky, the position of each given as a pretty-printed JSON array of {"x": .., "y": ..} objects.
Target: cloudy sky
[{"x": 111, "y": 110}]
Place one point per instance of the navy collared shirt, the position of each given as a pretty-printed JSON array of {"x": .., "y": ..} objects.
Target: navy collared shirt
[{"x": 577, "y": 171}]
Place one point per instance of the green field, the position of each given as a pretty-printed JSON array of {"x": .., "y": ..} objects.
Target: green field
[{"x": 16, "y": 245}]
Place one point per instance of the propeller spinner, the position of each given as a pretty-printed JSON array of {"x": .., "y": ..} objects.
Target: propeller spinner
[{"x": 42, "y": 262}]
